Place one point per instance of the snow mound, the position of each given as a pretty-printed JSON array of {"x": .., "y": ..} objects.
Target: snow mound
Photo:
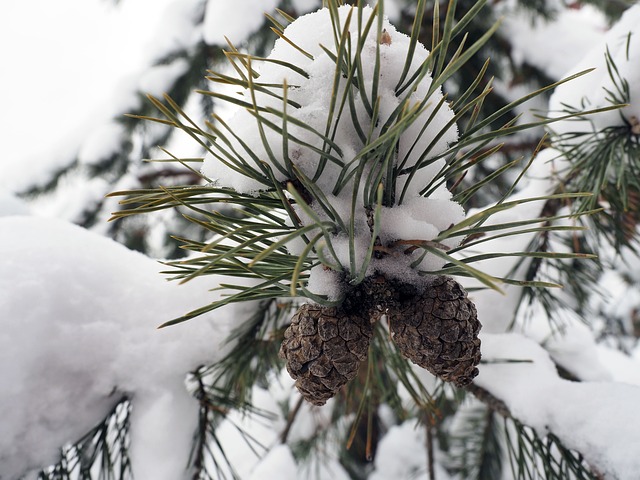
[
  {"x": 597, "y": 419},
  {"x": 78, "y": 330},
  {"x": 597, "y": 87}
]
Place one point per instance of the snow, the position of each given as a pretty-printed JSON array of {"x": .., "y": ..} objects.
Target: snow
[
  {"x": 624, "y": 46},
  {"x": 178, "y": 28},
  {"x": 397, "y": 453},
  {"x": 77, "y": 196},
  {"x": 236, "y": 20},
  {"x": 11, "y": 205},
  {"x": 79, "y": 322},
  {"x": 104, "y": 142},
  {"x": 313, "y": 95},
  {"x": 496, "y": 310},
  {"x": 548, "y": 45},
  {"x": 305, "y": 6},
  {"x": 401, "y": 454},
  {"x": 79, "y": 312},
  {"x": 158, "y": 80},
  {"x": 278, "y": 463},
  {"x": 91, "y": 57},
  {"x": 595, "y": 418}
]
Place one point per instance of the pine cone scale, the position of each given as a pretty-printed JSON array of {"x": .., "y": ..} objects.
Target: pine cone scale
[
  {"x": 323, "y": 348},
  {"x": 438, "y": 331}
]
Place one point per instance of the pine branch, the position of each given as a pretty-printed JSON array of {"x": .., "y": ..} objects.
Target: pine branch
[
  {"x": 103, "y": 449},
  {"x": 536, "y": 457}
]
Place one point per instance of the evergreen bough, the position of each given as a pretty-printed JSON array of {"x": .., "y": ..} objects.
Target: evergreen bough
[{"x": 251, "y": 233}]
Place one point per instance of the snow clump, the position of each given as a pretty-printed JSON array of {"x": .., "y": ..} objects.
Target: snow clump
[
  {"x": 411, "y": 216},
  {"x": 601, "y": 88}
]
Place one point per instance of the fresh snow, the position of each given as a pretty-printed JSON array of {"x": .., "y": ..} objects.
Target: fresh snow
[
  {"x": 158, "y": 80},
  {"x": 91, "y": 57},
  {"x": 79, "y": 312},
  {"x": 102, "y": 143},
  {"x": 593, "y": 90},
  {"x": 12, "y": 205},
  {"x": 235, "y": 20},
  {"x": 549, "y": 44},
  {"x": 278, "y": 463},
  {"x": 417, "y": 218},
  {"x": 79, "y": 329},
  {"x": 598, "y": 419}
]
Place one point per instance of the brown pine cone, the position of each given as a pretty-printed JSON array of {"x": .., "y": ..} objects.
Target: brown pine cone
[
  {"x": 323, "y": 348},
  {"x": 438, "y": 330}
]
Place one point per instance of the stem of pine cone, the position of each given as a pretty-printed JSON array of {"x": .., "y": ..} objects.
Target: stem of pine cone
[{"x": 364, "y": 434}]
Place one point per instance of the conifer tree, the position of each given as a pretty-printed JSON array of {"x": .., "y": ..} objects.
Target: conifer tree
[{"x": 323, "y": 223}]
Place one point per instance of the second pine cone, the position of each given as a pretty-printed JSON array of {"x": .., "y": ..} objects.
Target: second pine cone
[{"x": 438, "y": 330}]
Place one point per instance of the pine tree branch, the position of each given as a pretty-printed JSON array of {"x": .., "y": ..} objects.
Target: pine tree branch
[
  {"x": 290, "y": 419},
  {"x": 497, "y": 405},
  {"x": 486, "y": 397}
]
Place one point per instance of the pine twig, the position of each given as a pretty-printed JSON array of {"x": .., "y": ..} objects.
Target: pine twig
[
  {"x": 493, "y": 402},
  {"x": 430, "y": 459},
  {"x": 291, "y": 418}
]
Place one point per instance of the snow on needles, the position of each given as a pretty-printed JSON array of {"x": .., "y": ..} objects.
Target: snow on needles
[
  {"x": 78, "y": 331},
  {"x": 597, "y": 419},
  {"x": 416, "y": 217}
]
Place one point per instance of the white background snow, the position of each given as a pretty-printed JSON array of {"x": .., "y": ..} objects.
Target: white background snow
[{"x": 74, "y": 303}]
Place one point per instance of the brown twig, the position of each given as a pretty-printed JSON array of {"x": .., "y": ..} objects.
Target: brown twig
[
  {"x": 494, "y": 403},
  {"x": 430, "y": 459},
  {"x": 292, "y": 417}
]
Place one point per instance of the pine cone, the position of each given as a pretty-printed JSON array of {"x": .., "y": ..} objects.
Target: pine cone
[
  {"x": 323, "y": 348},
  {"x": 438, "y": 331}
]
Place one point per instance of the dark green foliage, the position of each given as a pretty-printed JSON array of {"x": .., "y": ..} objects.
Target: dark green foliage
[
  {"x": 536, "y": 458},
  {"x": 475, "y": 449},
  {"x": 102, "y": 454}
]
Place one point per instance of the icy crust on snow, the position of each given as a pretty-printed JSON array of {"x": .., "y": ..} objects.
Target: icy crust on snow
[
  {"x": 417, "y": 218},
  {"x": 78, "y": 330},
  {"x": 597, "y": 419},
  {"x": 623, "y": 43}
]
